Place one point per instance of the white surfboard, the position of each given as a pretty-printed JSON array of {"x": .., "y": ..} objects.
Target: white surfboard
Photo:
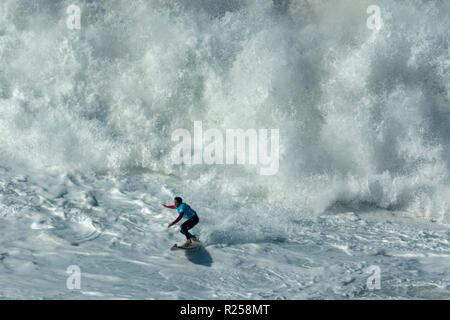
[{"x": 194, "y": 246}]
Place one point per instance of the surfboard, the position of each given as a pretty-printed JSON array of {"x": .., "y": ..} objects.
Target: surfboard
[{"x": 194, "y": 246}]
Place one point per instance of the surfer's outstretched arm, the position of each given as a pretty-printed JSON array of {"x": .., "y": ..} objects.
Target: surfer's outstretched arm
[
  {"x": 176, "y": 220},
  {"x": 168, "y": 207}
]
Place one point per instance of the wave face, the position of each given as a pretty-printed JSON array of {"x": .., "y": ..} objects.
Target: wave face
[{"x": 363, "y": 114}]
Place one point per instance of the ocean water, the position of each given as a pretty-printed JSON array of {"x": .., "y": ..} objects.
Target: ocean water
[{"x": 86, "y": 118}]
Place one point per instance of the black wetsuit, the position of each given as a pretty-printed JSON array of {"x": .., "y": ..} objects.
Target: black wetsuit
[{"x": 189, "y": 224}]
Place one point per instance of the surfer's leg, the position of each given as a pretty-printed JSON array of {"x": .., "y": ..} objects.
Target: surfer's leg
[
  {"x": 195, "y": 220},
  {"x": 184, "y": 229},
  {"x": 189, "y": 225}
]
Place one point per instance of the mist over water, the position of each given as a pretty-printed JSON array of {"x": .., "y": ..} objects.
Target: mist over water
[{"x": 86, "y": 118}]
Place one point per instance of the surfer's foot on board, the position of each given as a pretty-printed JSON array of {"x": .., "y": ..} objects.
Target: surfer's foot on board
[{"x": 187, "y": 243}]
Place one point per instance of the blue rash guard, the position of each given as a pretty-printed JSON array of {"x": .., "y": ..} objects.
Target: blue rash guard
[{"x": 188, "y": 212}]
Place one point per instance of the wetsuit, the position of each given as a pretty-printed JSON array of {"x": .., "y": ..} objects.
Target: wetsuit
[{"x": 186, "y": 212}]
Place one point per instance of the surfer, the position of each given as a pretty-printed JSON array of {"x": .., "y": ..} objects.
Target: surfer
[{"x": 184, "y": 211}]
